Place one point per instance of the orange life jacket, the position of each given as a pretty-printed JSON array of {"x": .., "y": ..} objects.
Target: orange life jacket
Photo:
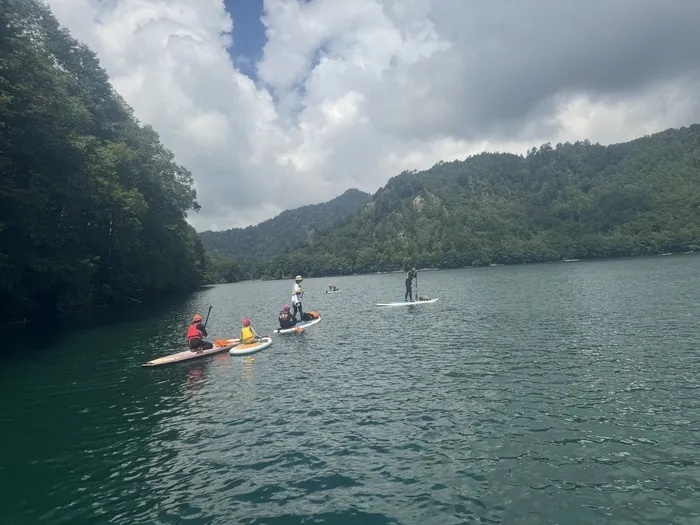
[{"x": 193, "y": 331}]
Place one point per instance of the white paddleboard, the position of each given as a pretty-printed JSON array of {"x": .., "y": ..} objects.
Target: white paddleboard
[
  {"x": 188, "y": 355},
  {"x": 407, "y": 303},
  {"x": 251, "y": 348},
  {"x": 302, "y": 324}
]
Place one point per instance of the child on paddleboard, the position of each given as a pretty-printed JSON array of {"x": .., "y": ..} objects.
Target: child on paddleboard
[
  {"x": 248, "y": 334},
  {"x": 285, "y": 318}
]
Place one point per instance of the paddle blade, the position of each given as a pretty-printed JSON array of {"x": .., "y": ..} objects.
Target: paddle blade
[
  {"x": 299, "y": 329},
  {"x": 225, "y": 342}
]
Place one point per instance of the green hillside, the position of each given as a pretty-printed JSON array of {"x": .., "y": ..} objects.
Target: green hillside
[
  {"x": 287, "y": 230},
  {"x": 92, "y": 206},
  {"x": 578, "y": 200}
]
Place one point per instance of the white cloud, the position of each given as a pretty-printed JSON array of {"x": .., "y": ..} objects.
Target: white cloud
[{"x": 352, "y": 92}]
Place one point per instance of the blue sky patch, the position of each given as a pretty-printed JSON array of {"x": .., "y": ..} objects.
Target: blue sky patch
[{"x": 248, "y": 34}]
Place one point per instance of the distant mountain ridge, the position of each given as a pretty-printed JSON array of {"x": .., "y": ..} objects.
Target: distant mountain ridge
[
  {"x": 286, "y": 231},
  {"x": 574, "y": 200}
]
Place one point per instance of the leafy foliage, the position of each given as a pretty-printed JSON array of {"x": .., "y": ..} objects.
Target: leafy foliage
[
  {"x": 287, "y": 230},
  {"x": 92, "y": 206},
  {"x": 221, "y": 269},
  {"x": 578, "y": 200}
]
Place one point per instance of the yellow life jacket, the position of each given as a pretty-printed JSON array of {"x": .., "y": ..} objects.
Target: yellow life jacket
[{"x": 247, "y": 334}]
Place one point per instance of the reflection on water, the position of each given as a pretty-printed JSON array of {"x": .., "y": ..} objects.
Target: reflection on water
[
  {"x": 195, "y": 378},
  {"x": 248, "y": 362}
]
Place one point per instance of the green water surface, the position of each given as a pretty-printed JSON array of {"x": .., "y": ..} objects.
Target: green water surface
[{"x": 543, "y": 394}]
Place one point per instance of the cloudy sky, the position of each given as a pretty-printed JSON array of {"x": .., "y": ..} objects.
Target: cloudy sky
[{"x": 276, "y": 104}]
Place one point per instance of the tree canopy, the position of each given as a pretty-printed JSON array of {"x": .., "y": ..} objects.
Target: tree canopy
[
  {"x": 92, "y": 205},
  {"x": 577, "y": 200}
]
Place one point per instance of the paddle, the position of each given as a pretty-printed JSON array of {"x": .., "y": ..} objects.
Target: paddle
[
  {"x": 207, "y": 319},
  {"x": 226, "y": 342},
  {"x": 417, "y": 296}
]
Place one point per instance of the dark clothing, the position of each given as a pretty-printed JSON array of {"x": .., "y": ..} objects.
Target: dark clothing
[
  {"x": 297, "y": 308},
  {"x": 196, "y": 343},
  {"x": 409, "y": 291},
  {"x": 286, "y": 320},
  {"x": 409, "y": 285}
]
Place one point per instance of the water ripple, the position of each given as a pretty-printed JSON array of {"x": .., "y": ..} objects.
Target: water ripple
[{"x": 533, "y": 395}]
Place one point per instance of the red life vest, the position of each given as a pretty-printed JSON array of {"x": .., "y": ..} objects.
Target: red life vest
[{"x": 193, "y": 331}]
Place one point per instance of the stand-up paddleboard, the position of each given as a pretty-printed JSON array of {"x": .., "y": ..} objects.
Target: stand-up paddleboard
[
  {"x": 251, "y": 348},
  {"x": 300, "y": 324},
  {"x": 407, "y": 303},
  {"x": 333, "y": 291},
  {"x": 220, "y": 346}
]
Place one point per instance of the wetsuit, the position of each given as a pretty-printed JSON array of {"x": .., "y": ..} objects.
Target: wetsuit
[{"x": 409, "y": 285}]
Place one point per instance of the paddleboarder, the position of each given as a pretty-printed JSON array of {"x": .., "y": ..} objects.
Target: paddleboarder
[
  {"x": 285, "y": 318},
  {"x": 410, "y": 275},
  {"x": 248, "y": 334},
  {"x": 196, "y": 334},
  {"x": 297, "y": 294}
]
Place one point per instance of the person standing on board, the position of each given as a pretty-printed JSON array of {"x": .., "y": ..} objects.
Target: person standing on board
[
  {"x": 412, "y": 274},
  {"x": 297, "y": 294},
  {"x": 196, "y": 334}
]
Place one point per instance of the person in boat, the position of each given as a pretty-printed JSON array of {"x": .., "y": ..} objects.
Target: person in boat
[
  {"x": 297, "y": 295},
  {"x": 196, "y": 334},
  {"x": 285, "y": 318},
  {"x": 248, "y": 334},
  {"x": 410, "y": 275}
]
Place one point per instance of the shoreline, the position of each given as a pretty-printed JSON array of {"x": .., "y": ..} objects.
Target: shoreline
[{"x": 468, "y": 267}]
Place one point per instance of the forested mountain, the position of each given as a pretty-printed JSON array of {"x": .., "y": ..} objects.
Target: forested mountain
[
  {"x": 287, "y": 230},
  {"x": 578, "y": 200},
  {"x": 92, "y": 206}
]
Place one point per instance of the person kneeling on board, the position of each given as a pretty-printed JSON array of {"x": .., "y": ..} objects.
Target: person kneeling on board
[
  {"x": 285, "y": 318},
  {"x": 248, "y": 334},
  {"x": 196, "y": 334}
]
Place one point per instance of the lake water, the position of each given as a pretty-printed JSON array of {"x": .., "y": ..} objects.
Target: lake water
[{"x": 543, "y": 394}]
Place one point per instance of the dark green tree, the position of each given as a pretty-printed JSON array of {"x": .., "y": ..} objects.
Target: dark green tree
[{"x": 92, "y": 206}]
